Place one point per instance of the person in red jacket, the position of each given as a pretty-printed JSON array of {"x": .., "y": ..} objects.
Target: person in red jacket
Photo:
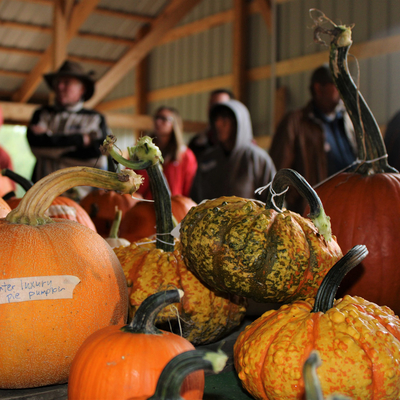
[{"x": 180, "y": 163}]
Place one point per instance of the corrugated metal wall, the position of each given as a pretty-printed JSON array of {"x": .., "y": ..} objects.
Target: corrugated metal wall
[{"x": 209, "y": 54}]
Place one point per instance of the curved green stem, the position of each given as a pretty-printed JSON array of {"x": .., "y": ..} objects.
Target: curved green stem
[
  {"x": 146, "y": 314},
  {"x": 147, "y": 152},
  {"x": 116, "y": 224},
  {"x": 17, "y": 178},
  {"x": 370, "y": 144},
  {"x": 327, "y": 291},
  {"x": 171, "y": 378},
  {"x": 31, "y": 210},
  {"x": 286, "y": 177}
]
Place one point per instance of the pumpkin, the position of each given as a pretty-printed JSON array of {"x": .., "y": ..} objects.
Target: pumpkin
[
  {"x": 204, "y": 315},
  {"x": 358, "y": 341},
  {"x": 257, "y": 250},
  {"x": 363, "y": 200},
  {"x": 60, "y": 282},
  {"x": 311, "y": 381},
  {"x": 137, "y": 352},
  {"x": 100, "y": 205},
  {"x": 61, "y": 207},
  {"x": 172, "y": 376},
  {"x": 140, "y": 221},
  {"x": 7, "y": 185}
]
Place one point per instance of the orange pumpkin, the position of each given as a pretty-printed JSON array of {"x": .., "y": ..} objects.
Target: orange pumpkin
[
  {"x": 119, "y": 362},
  {"x": 100, "y": 205},
  {"x": 60, "y": 283},
  {"x": 140, "y": 221}
]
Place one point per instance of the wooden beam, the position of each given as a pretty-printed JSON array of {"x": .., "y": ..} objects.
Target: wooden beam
[
  {"x": 265, "y": 9},
  {"x": 239, "y": 49},
  {"x": 14, "y": 74},
  {"x": 198, "y": 26},
  {"x": 174, "y": 12},
  {"x": 117, "y": 104},
  {"x": 61, "y": 14},
  {"x": 22, "y": 113},
  {"x": 79, "y": 14},
  {"x": 204, "y": 85}
]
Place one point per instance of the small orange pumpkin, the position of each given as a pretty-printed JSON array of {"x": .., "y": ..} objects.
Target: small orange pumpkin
[
  {"x": 100, "y": 205},
  {"x": 119, "y": 362}
]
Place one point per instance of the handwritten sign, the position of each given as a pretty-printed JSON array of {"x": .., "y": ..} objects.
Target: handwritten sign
[{"x": 37, "y": 288}]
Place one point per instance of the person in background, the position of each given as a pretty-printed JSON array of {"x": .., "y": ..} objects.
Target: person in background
[
  {"x": 317, "y": 140},
  {"x": 235, "y": 165},
  {"x": 180, "y": 164},
  {"x": 392, "y": 141},
  {"x": 205, "y": 139},
  {"x": 67, "y": 134}
]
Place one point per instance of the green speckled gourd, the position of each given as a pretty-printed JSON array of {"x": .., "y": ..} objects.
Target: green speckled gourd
[{"x": 256, "y": 250}]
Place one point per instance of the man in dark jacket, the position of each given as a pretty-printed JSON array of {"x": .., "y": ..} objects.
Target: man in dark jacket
[
  {"x": 67, "y": 134},
  {"x": 318, "y": 140}
]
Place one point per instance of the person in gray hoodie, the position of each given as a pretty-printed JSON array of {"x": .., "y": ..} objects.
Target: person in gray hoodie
[{"x": 235, "y": 166}]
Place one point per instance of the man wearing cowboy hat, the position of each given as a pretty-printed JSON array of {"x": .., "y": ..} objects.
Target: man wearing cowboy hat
[{"x": 67, "y": 134}]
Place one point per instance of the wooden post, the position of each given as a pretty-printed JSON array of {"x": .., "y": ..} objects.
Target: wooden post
[
  {"x": 239, "y": 49},
  {"x": 141, "y": 80}
]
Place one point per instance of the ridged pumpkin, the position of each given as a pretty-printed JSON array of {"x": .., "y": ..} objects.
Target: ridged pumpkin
[
  {"x": 363, "y": 202},
  {"x": 118, "y": 362},
  {"x": 40, "y": 333},
  {"x": 257, "y": 250},
  {"x": 100, "y": 205},
  {"x": 140, "y": 221},
  {"x": 61, "y": 207},
  {"x": 358, "y": 341},
  {"x": 205, "y": 316}
]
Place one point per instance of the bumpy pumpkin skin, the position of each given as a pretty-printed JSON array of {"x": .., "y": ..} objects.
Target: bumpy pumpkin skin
[
  {"x": 349, "y": 199},
  {"x": 205, "y": 316},
  {"x": 358, "y": 341},
  {"x": 40, "y": 338},
  {"x": 259, "y": 253}
]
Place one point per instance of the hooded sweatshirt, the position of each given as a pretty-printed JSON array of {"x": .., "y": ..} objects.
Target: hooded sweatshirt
[{"x": 236, "y": 173}]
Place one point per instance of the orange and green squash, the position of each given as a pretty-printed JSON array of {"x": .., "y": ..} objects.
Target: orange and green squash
[
  {"x": 257, "y": 250},
  {"x": 204, "y": 316},
  {"x": 40, "y": 333},
  {"x": 119, "y": 362}
]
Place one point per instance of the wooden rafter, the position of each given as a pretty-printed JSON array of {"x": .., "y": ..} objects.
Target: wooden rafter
[
  {"x": 61, "y": 13},
  {"x": 102, "y": 11},
  {"x": 173, "y": 13},
  {"x": 79, "y": 15}
]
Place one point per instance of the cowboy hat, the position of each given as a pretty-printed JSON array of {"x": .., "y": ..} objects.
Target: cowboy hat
[{"x": 74, "y": 70}]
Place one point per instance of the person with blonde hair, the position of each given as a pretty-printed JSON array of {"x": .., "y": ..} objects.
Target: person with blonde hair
[{"x": 180, "y": 163}]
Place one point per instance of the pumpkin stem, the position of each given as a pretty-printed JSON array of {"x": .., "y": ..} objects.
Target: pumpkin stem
[
  {"x": 326, "y": 293},
  {"x": 311, "y": 380},
  {"x": 285, "y": 177},
  {"x": 172, "y": 376},
  {"x": 31, "y": 210},
  {"x": 17, "y": 178},
  {"x": 146, "y": 314},
  {"x": 149, "y": 154},
  {"x": 372, "y": 155},
  {"x": 116, "y": 223}
]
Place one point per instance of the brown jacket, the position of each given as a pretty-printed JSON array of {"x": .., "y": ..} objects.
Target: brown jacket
[{"x": 299, "y": 144}]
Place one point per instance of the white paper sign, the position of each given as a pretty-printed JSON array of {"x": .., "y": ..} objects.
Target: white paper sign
[{"x": 37, "y": 288}]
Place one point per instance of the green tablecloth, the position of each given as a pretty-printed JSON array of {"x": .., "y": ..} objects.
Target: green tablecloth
[{"x": 225, "y": 386}]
